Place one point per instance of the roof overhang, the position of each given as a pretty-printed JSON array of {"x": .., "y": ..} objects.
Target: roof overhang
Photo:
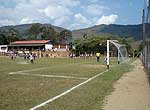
[
  {"x": 30, "y": 42},
  {"x": 26, "y": 45}
]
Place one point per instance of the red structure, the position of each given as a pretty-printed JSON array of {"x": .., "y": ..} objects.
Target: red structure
[
  {"x": 31, "y": 42},
  {"x": 29, "y": 45}
]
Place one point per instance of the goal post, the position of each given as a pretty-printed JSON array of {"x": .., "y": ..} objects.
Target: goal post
[
  {"x": 122, "y": 52},
  {"x": 107, "y": 61}
]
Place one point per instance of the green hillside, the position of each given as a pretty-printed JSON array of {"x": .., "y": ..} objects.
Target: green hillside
[
  {"x": 59, "y": 34},
  {"x": 125, "y": 31}
]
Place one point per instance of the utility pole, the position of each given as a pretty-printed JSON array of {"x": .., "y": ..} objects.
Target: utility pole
[
  {"x": 143, "y": 22},
  {"x": 148, "y": 12}
]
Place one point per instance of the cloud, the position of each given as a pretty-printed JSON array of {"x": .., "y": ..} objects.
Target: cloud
[
  {"x": 70, "y": 3},
  {"x": 71, "y": 14},
  {"x": 80, "y": 18},
  {"x": 80, "y": 21},
  {"x": 6, "y": 13},
  {"x": 77, "y": 26},
  {"x": 95, "y": 9},
  {"x": 7, "y": 22},
  {"x": 94, "y": 1},
  {"x": 27, "y": 21},
  {"x": 107, "y": 19},
  {"x": 62, "y": 21},
  {"x": 54, "y": 12}
]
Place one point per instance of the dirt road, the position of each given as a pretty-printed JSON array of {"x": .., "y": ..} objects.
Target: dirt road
[{"x": 132, "y": 91}]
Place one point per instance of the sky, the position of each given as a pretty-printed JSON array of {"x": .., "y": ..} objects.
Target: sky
[{"x": 71, "y": 14}]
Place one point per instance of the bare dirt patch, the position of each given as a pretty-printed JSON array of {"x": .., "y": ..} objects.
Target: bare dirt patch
[{"x": 132, "y": 91}]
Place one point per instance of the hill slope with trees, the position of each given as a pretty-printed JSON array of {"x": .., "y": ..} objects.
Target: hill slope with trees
[
  {"x": 35, "y": 31},
  {"x": 124, "y": 31},
  {"x": 39, "y": 31}
]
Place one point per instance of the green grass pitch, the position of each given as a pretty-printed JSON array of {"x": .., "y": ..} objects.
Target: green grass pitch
[{"x": 47, "y": 78}]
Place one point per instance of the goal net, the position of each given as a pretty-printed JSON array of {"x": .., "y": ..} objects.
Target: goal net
[{"x": 122, "y": 56}]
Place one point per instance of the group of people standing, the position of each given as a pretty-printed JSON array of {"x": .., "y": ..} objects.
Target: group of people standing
[{"x": 29, "y": 56}]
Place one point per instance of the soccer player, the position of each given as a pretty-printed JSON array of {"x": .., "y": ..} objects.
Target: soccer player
[
  {"x": 97, "y": 56},
  {"x": 31, "y": 59}
]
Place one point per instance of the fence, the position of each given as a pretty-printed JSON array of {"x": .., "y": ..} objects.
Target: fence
[
  {"x": 146, "y": 37},
  {"x": 146, "y": 57}
]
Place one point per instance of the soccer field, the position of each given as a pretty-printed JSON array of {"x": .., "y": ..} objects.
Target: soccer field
[{"x": 56, "y": 84}]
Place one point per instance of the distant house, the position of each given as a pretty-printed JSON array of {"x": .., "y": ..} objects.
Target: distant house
[
  {"x": 44, "y": 45},
  {"x": 30, "y": 45},
  {"x": 3, "y": 48},
  {"x": 42, "y": 48},
  {"x": 61, "y": 47}
]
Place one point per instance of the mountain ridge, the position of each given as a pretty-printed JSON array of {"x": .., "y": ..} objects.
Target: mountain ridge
[
  {"x": 23, "y": 28},
  {"x": 124, "y": 31}
]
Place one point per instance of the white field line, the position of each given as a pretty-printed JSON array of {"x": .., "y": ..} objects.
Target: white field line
[
  {"x": 47, "y": 67},
  {"x": 52, "y": 76},
  {"x": 67, "y": 91}
]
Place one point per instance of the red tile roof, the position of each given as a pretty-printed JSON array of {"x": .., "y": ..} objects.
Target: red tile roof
[{"x": 31, "y": 42}]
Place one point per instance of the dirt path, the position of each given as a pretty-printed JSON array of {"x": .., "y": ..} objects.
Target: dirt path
[{"x": 132, "y": 91}]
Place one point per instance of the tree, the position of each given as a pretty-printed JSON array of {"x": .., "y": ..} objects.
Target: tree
[
  {"x": 127, "y": 42},
  {"x": 84, "y": 35},
  {"x": 47, "y": 33},
  {"x": 34, "y": 31},
  {"x": 12, "y": 35},
  {"x": 38, "y": 31},
  {"x": 97, "y": 44},
  {"x": 65, "y": 35},
  {"x": 3, "y": 40},
  {"x": 8, "y": 36},
  {"x": 88, "y": 45}
]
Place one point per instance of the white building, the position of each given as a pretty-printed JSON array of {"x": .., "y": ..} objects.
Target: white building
[{"x": 3, "y": 48}]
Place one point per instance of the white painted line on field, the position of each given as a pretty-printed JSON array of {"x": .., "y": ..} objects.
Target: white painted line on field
[
  {"x": 47, "y": 67},
  {"x": 68, "y": 91},
  {"x": 12, "y": 73},
  {"x": 52, "y": 76}
]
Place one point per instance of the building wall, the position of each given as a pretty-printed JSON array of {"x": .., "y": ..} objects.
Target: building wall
[
  {"x": 61, "y": 47},
  {"x": 3, "y": 48},
  {"x": 48, "y": 46},
  {"x": 52, "y": 54}
]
